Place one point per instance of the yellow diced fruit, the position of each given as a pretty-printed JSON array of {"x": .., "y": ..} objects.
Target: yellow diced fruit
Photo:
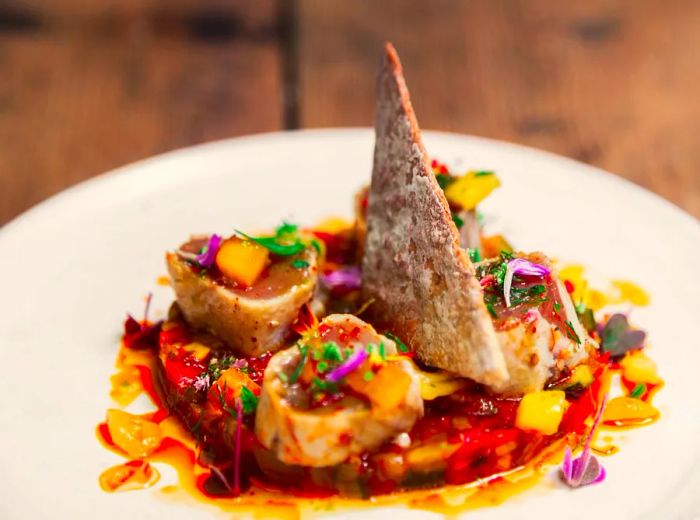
[
  {"x": 333, "y": 225},
  {"x": 630, "y": 292},
  {"x": 243, "y": 261},
  {"x": 581, "y": 375},
  {"x": 137, "y": 436},
  {"x": 541, "y": 411},
  {"x": 387, "y": 388},
  {"x": 199, "y": 351},
  {"x": 470, "y": 189},
  {"x": 438, "y": 384},
  {"x": 638, "y": 368}
]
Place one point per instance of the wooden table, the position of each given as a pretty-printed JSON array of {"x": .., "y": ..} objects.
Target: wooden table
[{"x": 87, "y": 86}]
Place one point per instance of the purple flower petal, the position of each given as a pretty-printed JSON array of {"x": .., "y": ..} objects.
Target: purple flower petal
[
  {"x": 351, "y": 364},
  {"x": 349, "y": 278},
  {"x": 208, "y": 255},
  {"x": 521, "y": 267},
  {"x": 567, "y": 466},
  {"x": 585, "y": 469}
]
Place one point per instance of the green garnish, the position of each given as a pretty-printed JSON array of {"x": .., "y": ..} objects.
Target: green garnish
[
  {"x": 443, "y": 180},
  {"x": 382, "y": 351},
  {"x": 557, "y": 306},
  {"x": 285, "y": 242},
  {"x": 249, "y": 401},
  {"x": 400, "y": 344},
  {"x": 302, "y": 361},
  {"x": 492, "y": 311},
  {"x": 283, "y": 377},
  {"x": 479, "y": 218},
  {"x": 474, "y": 255},
  {"x": 457, "y": 220},
  {"x": 331, "y": 352},
  {"x": 368, "y": 376},
  {"x": 317, "y": 246},
  {"x": 638, "y": 391},
  {"x": 572, "y": 333},
  {"x": 300, "y": 264},
  {"x": 319, "y": 383},
  {"x": 218, "y": 366},
  {"x": 483, "y": 173},
  {"x": 322, "y": 367}
]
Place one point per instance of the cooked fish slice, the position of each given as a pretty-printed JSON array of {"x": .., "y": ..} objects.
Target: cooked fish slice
[
  {"x": 423, "y": 284},
  {"x": 328, "y": 435},
  {"x": 250, "y": 324},
  {"x": 536, "y": 350}
]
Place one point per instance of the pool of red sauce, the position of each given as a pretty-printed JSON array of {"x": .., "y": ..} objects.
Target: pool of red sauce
[{"x": 491, "y": 427}]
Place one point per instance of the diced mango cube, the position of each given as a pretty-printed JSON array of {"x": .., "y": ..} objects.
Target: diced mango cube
[
  {"x": 199, "y": 351},
  {"x": 638, "y": 368},
  {"x": 581, "y": 375},
  {"x": 470, "y": 189},
  {"x": 386, "y": 389},
  {"x": 137, "y": 436},
  {"x": 243, "y": 261},
  {"x": 541, "y": 411}
]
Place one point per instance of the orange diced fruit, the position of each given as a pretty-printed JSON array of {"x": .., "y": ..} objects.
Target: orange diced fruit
[
  {"x": 388, "y": 388},
  {"x": 137, "y": 436},
  {"x": 243, "y": 261}
]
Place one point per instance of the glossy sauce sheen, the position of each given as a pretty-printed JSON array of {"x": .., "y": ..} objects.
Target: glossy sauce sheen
[{"x": 466, "y": 444}]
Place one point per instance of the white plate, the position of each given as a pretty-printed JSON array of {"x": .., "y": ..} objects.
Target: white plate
[{"x": 71, "y": 267}]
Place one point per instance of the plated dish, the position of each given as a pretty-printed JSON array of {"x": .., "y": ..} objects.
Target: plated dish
[{"x": 404, "y": 356}]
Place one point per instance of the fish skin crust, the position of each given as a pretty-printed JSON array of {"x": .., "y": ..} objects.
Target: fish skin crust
[{"x": 423, "y": 284}]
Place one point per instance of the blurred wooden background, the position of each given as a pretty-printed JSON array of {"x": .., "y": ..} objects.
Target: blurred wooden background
[{"x": 89, "y": 85}]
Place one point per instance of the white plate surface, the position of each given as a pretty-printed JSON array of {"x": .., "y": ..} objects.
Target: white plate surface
[{"x": 71, "y": 267}]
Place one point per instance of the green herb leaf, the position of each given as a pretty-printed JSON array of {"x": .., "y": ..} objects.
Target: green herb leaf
[
  {"x": 300, "y": 264},
  {"x": 302, "y": 361},
  {"x": 331, "y": 352},
  {"x": 399, "y": 344},
  {"x": 443, "y": 180},
  {"x": 457, "y": 220},
  {"x": 492, "y": 311},
  {"x": 249, "y": 401},
  {"x": 474, "y": 255},
  {"x": 557, "y": 306},
  {"x": 638, "y": 391},
  {"x": 382, "y": 351},
  {"x": 572, "y": 333},
  {"x": 271, "y": 243},
  {"x": 322, "y": 367},
  {"x": 368, "y": 376},
  {"x": 483, "y": 173}
]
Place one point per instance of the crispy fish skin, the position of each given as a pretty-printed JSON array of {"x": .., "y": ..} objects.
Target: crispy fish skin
[
  {"x": 423, "y": 284},
  {"x": 249, "y": 326}
]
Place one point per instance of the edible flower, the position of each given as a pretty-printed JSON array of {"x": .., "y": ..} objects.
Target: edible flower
[
  {"x": 351, "y": 364},
  {"x": 141, "y": 335},
  {"x": 586, "y": 469},
  {"x": 202, "y": 382},
  {"x": 521, "y": 267},
  {"x": 208, "y": 254},
  {"x": 348, "y": 278}
]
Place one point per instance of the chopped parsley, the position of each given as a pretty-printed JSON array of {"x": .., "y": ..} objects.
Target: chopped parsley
[
  {"x": 557, "y": 306},
  {"x": 483, "y": 173},
  {"x": 571, "y": 333},
  {"x": 638, "y": 391},
  {"x": 368, "y": 376},
  {"x": 302, "y": 360},
  {"x": 492, "y": 311},
  {"x": 399, "y": 344},
  {"x": 218, "y": 366},
  {"x": 249, "y": 401},
  {"x": 457, "y": 220},
  {"x": 331, "y": 352},
  {"x": 474, "y": 255},
  {"x": 300, "y": 264}
]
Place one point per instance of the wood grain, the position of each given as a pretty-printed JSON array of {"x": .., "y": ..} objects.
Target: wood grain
[
  {"x": 612, "y": 83},
  {"x": 89, "y": 86}
]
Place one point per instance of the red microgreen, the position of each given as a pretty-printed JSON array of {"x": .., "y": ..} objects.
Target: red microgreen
[
  {"x": 618, "y": 338},
  {"x": 141, "y": 335}
]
